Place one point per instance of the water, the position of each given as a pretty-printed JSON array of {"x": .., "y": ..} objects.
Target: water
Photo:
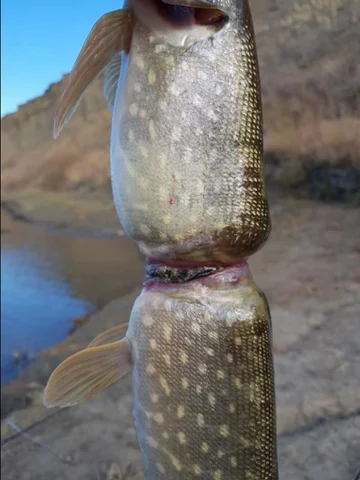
[
  {"x": 37, "y": 308},
  {"x": 47, "y": 280}
]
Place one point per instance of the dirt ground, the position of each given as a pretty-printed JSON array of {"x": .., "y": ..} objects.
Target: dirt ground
[{"x": 310, "y": 272}]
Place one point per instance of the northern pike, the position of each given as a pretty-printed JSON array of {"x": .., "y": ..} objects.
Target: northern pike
[{"x": 186, "y": 152}]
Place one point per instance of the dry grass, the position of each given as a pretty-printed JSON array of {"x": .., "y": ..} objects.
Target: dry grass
[{"x": 314, "y": 128}]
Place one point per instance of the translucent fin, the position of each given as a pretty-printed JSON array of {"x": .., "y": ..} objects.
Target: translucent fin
[
  {"x": 112, "y": 33},
  {"x": 86, "y": 373},
  {"x": 109, "y": 336},
  {"x": 111, "y": 78}
]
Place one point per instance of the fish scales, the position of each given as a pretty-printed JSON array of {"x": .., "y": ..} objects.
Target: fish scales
[
  {"x": 202, "y": 382},
  {"x": 187, "y": 177},
  {"x": 186, "y": 148}
]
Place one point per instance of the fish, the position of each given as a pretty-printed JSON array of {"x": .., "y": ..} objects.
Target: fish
[{"x": 186, "y": 156}]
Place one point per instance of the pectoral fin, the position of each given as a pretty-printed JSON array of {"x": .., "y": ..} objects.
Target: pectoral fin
[
  {"x": 109, "y": 336},
  {"x": 111, "y": 79},
  {"x": 111, "y": 34},
  {"x": 86, "y": 373}
]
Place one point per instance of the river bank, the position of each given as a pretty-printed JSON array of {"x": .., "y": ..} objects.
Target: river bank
[{"x": 310, "y": 272}]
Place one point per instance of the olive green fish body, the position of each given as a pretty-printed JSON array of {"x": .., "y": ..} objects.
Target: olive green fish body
[
  {"x": 186, "y": 147},
  {"x": 203, "y": 380},
  {"x": 187, "y": 178}
]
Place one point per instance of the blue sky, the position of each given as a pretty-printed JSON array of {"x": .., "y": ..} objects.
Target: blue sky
[{"x": 40, "y": 41}]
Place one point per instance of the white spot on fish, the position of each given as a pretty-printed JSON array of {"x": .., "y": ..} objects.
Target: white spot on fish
[
  {"x": 200, "y": 187},
  {"x": 160, "y": 468},
  {"x": 176, "y": 134},
  {"x": 213, "y": 336},
  {"x": 167, "y": 330},
  {"x": 167, "y": 219},
  {"x": 220, "y": 375},
  {"x": 152, "y": 130},
  {"x": 142, "y": 207},
  {"x": 218, "y": 475},
  {"x": 197, "y": 100},
  {"x": 133, "y": 109},
  {"x": 130, "y": 168},
  {"x": 218, "y": 89},
  {"x": 202, "y": 368},
  {"x": 159, "y": 48},
  {"x": 142, "y": 182},
  {"x": 147, "y": 320},
  {"x": 142, "y": 113},
  {"x": 183, "y": 357},
  {"x": 210, "y": 352},
  {"x": 151, "y": 369},
  {"x": 176, "y": 462},
  {"x": 202, "y": 75},
  {"x": 212, "y": 115},
  {"x": 200, "y": 420},
  {"x": 137, "y": 87},
  {"x": 196, "y": 328},
  {"x": 174, "y": 90},
  {"x": 205, "y": 447},
  {"x": 233, "y": 462},
  {"x": 212, "y": 399},
  {"x": 152, "y": 76},
  {"x": 140, "y": 62},
  {"x": 154, "y": 397},
  {"x": 198, "y": 389},
  {"x": 162, "y": 192},
  {"x": 153, "y": 344},
  {"x": 164, "y": 385},
  {"x": 224, "y": 430},
  {"x": 165, "y": 435},
  {"x": 238, "y": 341},
  {"x": 145, "y": 229},
  {"x": 159, "y": 418},
  {"x": 152, "y": 442},
  {"x": 180, "y": 411},
  {"x": 168, "y": 305},
  {"x": 232, "y": 408},
  {"x": 167, "y": 360},
  {"x": 184, "y": 383},
  {"x": 144, "y": 151},
  {"x": 131, "y": 136},
  {"x": 229, "y": 358},
  {"x": 169, "y": 60},
  {"x": 197, "y": 469},
  {"x": 220, "y": 453},
  {"x": 237, "y": 383},
  {"x": 181, "y": 437}
]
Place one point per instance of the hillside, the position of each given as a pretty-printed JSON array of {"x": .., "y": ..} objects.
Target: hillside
[{"x": 308, "y": 55}]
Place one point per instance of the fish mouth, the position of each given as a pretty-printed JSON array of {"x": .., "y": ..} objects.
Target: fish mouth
[{"x": 180, "y": 15}]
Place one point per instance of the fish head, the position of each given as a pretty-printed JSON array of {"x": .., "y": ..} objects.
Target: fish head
[{"x": 181, "y": 23}]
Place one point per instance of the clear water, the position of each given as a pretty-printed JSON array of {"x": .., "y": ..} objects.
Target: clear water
[
  {"x": 50, "y": 278},
  {"x": 37, "y": 308}
]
